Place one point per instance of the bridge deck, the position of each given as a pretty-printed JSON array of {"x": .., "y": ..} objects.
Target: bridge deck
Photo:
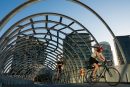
[{"x": 82, "y": 85}]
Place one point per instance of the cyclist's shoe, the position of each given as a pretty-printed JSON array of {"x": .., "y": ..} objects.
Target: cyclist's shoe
[{"x": 94, "y": 79}]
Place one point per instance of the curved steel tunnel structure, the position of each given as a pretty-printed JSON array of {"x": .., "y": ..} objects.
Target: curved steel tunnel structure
[
  {"x": 49, "y": 37},
  {"x": 36, "y": 42}
]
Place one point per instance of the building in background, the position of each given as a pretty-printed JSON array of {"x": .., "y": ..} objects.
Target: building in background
[
  {"x": 124, "y": 42},
  {"x": 76, "y": 47},
  {"x": 107, "y": 52}
]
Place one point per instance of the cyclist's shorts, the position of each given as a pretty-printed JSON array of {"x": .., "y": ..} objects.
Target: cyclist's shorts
[{"x": 93, "y": 60}]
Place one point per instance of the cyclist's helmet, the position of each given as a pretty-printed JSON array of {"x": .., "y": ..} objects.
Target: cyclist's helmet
[{"x": 99, "y": 49}]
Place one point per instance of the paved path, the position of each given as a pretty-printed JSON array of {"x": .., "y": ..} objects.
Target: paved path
[{"x": 82, "y": 85}]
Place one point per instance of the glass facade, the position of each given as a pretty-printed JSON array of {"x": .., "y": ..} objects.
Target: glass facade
[
  {"x": 125, "y": 45},
  {"x": 78, "y": 45},
  {"x": 107, "y": 52},
  {"x": 76, "y": 50}
]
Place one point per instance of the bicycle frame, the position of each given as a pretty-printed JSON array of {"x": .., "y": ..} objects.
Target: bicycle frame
[
  {"x": 105, "y": 71},
  {"x": 102, "y": 72}
]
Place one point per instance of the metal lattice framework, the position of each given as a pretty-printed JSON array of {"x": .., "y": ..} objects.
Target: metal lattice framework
[
  {"x": 47, "y": 31},
  {"x": 43, "y": 30}
]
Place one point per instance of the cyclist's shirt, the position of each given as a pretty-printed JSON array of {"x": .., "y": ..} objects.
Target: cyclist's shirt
[
  {"x": 94, "y": 58},
  {"x": 94, "y": 55}
]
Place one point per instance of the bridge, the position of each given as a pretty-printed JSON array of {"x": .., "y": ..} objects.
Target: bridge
[{"x": 30, "y": 48}]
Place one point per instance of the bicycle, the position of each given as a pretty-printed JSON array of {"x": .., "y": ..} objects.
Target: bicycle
[{"x": 110, "y": 74}]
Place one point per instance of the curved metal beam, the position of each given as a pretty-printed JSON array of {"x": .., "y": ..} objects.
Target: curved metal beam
[
  {"x": 4, "y": 21},
  {"x": 20, "y": 45},
  {"x": 12, "y": 34},
  {"x": 49, "y": 20},
  {"x": 103, "y": 21},
  {"x": 55, "y": 14}
]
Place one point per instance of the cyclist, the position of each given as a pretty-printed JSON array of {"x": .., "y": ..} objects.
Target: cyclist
[
  {"x": 95, "y": 58},
  {"x": 59, "y": 67}
]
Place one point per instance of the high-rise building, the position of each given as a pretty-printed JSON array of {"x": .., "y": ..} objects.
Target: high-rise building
[
  {"x": 107, "y": 52},
  {"x": 28, "y": 54},
  {"x": 124, "y": 42},
  {"x": 76, "y": 47}
]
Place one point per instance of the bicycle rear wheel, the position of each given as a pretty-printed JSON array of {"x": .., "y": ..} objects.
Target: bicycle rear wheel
[
  {"x": 112, "y": 76},
  {"x": 89, "y": 77}
]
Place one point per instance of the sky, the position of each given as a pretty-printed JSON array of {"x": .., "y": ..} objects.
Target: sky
[{"x": 116, "y": 14}]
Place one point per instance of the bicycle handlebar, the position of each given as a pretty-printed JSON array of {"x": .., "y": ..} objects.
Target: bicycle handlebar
[{"x": 105, "y": 62}]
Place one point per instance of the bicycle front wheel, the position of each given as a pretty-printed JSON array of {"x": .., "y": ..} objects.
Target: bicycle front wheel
[{"x": 112, "y": 76}]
